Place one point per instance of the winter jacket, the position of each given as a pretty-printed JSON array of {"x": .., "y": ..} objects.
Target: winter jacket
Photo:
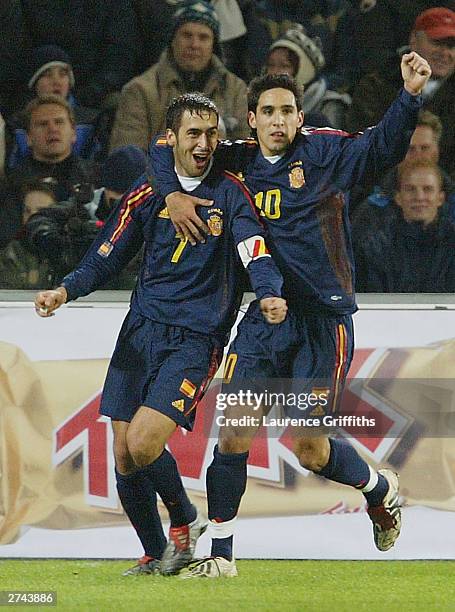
[
  {"x": 403, "y": 257},
  {"x": 62, "y": 176},
  {"x": 142, "y": 107}
]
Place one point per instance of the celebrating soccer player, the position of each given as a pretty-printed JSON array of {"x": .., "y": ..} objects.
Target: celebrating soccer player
[
  {"x": 301, "y": 180},
  {"x": 181, "y": 312}
]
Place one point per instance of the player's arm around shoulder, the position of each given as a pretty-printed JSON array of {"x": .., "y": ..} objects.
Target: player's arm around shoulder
[{"x": 183, "y": 207}]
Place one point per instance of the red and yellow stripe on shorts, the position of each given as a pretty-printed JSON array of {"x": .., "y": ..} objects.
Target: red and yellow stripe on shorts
[{"x": 341, "y": 364}]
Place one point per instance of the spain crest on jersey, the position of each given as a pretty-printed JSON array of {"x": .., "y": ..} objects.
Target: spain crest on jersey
[
  {"x": 215, "y": 224},
  {"x": 296, "y": 178}
]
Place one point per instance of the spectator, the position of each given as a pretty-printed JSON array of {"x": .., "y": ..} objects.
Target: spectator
[
  {"x": 385, "y": 27},
  {"x": 155, "y": 23},
  {"x": 35, "y": 197},
  {"x": 50, "y": 73},
  {"x": 50, "y": 127},
  {"x": 301, "y": 57},
  {"x": 433, "y": 37},
  {"x": 100, "y": 37},
  {"x": 20, "y": 268},
  {"x": 51, "y": 133},
  {"x": 424, "y": 146},
  {"x": 320, "y": 18},
  {"x": 62, "y": 234},
  {"x": 188, "y": 64},
  {"x": 413, "y": 250},
  {"x": 425, "y": 140}
]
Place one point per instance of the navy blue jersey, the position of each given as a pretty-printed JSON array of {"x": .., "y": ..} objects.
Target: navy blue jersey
[
  {"x": 304, "y": 199},
  {"x": 199, "y": 287}
]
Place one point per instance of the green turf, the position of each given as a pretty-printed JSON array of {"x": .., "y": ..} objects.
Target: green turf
[{"x": 383, "y": 586}]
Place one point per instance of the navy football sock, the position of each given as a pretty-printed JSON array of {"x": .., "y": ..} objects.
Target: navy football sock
[
  {"x": 345, "y": 465},
  {"x": 222, "y": 547},
  {"x": 139, "y": 502},
  {"x": 226, "y": 483},
  {"x": 164, "y": 475}
]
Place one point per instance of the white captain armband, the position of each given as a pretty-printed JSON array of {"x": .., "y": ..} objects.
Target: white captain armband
[{"x": 251, "y": 249}]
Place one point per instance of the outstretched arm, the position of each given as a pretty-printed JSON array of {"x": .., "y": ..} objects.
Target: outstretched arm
[
  {"x": 370, "y": 154},
  {"x": 116, "y": 243}
]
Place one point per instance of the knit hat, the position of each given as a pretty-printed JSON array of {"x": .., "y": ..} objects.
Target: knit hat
[
  {"x": 200, "y": 12},
  {"x": 437, "y": 23},
  {"x": 46, "y": 57},
  {"x": 122, "y": 167},
  {"x": 308, "y": 51}
]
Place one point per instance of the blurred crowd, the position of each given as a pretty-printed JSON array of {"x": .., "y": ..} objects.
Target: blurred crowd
[{"x": 84, "y": 88}]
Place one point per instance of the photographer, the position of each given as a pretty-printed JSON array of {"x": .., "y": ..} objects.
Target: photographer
[
  {"x": 61, "y": 234},
  {"x": 50, "y": 127},
  {"x": 20, "y": 267}
]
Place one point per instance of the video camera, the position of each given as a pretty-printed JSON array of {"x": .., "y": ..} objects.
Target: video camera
[{"x": 62, "y": 233}]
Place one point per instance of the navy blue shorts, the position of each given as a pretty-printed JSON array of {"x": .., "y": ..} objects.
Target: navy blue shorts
[
  {"x": 307, "y": 353},
  {"x": 163, "y": 367}
]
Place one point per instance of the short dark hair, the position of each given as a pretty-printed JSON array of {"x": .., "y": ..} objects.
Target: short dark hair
[
  {"x": 195, "y": 102},
  {"x": 273, "y": 81},
  {"x": 43, "y": 100}
]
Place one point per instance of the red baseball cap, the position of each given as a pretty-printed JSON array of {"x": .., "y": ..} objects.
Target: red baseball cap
[{"x": 437, "y": 23}]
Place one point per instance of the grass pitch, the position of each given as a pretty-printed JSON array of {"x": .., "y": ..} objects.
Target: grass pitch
[{"x": 394, "y": 586}]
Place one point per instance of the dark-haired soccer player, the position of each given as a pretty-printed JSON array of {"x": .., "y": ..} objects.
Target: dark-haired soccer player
[
  {"x": 301, "y": 181},
  {"x": 181, "y": 313}
]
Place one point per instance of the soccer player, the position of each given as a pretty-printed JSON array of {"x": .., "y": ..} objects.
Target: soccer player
[
  {"x": 301, "y": 181},
  {"x": 181, "y": 312}
]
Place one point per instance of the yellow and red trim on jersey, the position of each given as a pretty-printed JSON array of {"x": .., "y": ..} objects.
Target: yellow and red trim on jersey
[
  {"x": 238, "y": 181},
  {"x": 132, "y": 201}
]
